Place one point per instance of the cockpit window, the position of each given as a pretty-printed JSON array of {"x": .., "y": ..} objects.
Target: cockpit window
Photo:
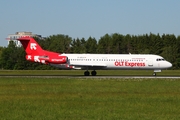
[{"x": 160, "y": 59}]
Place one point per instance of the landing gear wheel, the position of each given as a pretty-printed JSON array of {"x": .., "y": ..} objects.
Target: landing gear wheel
[
  {"x": 154, "y": 74},
  {"x": 86, "y": 73},
  {"x": 93, "y": 73}
]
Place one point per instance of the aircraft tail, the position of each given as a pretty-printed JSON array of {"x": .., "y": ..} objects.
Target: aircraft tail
[
  {"x": 31, "y": 46},
  {"x": 36, "y": 54}
]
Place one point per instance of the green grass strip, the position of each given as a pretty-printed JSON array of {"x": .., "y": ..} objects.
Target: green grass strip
[{"x": 77, "y": 99}]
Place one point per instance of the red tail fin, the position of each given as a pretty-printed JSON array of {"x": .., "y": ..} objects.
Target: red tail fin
[
  {"x": 31, "y": 46},
  {"x": 36, "y": 54}
]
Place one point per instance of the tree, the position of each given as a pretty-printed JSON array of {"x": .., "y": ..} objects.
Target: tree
[
  {"x": 59, "y": 43},
  {"x": 91, "y": 45},
  {"x": 166, "y": 45},
  {"x": 104, "y": 44},
  {"x": 129, "y": 44},
  {"x": 76, "y": 46},
  {"x": 1, "y": 51},
  {"x": 9, "y": 56},
  {"x": 117, "y": 44}
]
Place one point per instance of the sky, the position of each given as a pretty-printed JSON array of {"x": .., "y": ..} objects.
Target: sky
[{"x": 85, "y": 18}]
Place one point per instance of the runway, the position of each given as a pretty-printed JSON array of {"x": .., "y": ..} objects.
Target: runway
[{"x": 95, "y": 77}]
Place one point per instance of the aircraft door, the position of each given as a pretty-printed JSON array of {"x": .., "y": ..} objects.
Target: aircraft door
[{"x": 150, "y": 62}]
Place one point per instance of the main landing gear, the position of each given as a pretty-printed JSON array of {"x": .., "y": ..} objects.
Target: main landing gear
[{"x": 93, "y": 73}]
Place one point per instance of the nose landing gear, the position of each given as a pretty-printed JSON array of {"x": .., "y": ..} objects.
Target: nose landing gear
[
  {"x": 155, "y": 71},
  {"x": 154, "y": 74}
]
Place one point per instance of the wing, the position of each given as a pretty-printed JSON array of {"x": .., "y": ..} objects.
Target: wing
[{"x": 89, "y": 66}]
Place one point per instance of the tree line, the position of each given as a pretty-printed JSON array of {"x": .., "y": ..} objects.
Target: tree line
[{"x": 166, "y": 45}]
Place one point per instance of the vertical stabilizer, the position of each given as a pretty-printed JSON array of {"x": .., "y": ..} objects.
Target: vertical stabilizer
[
  {"x": 36, "y": 54},
  {"x": 31, "y": 46}
]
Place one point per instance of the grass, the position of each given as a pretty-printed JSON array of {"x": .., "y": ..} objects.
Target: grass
[
  {"x": 81, "y": 99},
  {"x": 81, "y": 72}
]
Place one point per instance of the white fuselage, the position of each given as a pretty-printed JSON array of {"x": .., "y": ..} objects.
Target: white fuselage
[{"x": 115, "y": 61}]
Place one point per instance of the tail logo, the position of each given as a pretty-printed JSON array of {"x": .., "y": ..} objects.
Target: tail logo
[
  {"x": 33, "y": 46},
  {"x": 36, "y": 59},
  {"x": 29, "y": 57}
]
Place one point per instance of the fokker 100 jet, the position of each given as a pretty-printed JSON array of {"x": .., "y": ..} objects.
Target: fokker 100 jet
[{"x": 93, "y": 62}]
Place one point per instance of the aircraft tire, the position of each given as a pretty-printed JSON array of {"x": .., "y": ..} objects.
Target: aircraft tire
[
  {"x": 86, "y": 73},
  {"x": 154, "y": 74},
  {"x": 93, "y": 73}
]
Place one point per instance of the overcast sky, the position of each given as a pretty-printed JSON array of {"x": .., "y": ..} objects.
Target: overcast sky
[{"x": 85, "y": 18}]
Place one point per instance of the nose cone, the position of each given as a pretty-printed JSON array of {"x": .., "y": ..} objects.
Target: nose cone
[{"x": 169, "y": 65}]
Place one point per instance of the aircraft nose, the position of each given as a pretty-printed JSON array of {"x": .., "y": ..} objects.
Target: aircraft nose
[{"x": 169, "y": 65}]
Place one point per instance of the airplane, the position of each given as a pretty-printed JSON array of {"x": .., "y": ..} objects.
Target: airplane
[{"x": 35, "y": 53}]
